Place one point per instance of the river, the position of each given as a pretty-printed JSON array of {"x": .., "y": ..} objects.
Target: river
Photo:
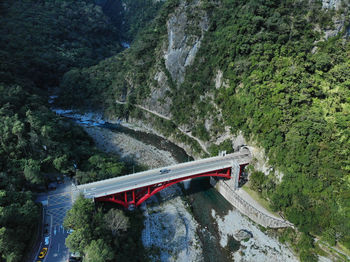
[
  {"x": 188, "y": 221},
  {"x": 201, "y": 196}
]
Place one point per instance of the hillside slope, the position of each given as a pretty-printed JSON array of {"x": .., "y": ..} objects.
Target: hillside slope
[{"x": 278, "y": 73}]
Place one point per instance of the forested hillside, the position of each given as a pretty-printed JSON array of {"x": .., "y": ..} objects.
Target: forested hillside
[
  {"x": 40, "y": 41},
  {"x": 286, "y": 88}
]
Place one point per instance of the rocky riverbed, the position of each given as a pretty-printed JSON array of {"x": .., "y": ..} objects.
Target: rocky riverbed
[
  {"x": 170, "y": 230},
  {"x": 173, "y": 232},
  {"x": 128, "y": 148}
]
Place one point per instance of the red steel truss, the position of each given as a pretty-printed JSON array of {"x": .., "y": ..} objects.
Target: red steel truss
[{"x": 138, "y": 195}]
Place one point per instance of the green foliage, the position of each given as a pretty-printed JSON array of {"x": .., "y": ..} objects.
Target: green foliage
[
  {"x": 18, "y": 216},
  {"x": 294, "y": 102},
  {"x": 94, "y": 235},
  {"x": 329, "y": 236},
  {"x": 51, "y": 37},
  {"x": 305, "y": 245},
  {"x": 100, "y": 166},
  {"x": 134, "y": 18},
  {"x": 80, "y": 215},
  {"x": 98, "y": 251},
  {"x": 257, "y": 179},
  {"x": 232, "y": 244},
  {"x": 103, "y": 84},
  {"x": 223, "y": 146},
  {"x": 32, "y": 171}
]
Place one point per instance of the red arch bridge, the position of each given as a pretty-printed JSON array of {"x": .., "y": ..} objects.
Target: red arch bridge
[{"x": 136, "y": 188}]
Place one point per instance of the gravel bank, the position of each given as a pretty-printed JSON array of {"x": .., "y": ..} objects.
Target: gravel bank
[
  {"x": 170, "y": 230},
  {"x": 261, "y": 247},
  {"x": 129, "y": 148}
]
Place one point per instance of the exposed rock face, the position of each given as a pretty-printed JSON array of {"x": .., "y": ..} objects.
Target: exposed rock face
[
  {"x": 218, "y": 79},
  {"x": 184, "y": 38},
  {"x": 339, "y": 23},
  {"x": 338, "y": 19},
  {"x": 243, "y": 234},
  {"x": 179, "y": 51},
  {"x": 159, "y": 100},
  {"x": 331, "y": 4}
]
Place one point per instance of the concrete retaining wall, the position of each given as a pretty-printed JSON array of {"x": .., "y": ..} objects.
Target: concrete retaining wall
[{"x": 226, "y": 189}]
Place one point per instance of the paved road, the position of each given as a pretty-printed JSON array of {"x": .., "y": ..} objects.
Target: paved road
[
  {"x": 59, "y": 202},
  {"x": 151, "y": 177}
]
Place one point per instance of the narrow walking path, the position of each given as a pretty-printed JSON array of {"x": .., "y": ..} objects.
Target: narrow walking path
[
  {"x": 189, "y": 134},
  {"x": 249, "y": 207}
]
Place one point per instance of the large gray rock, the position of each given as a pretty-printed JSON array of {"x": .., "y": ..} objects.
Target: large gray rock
[
  {"x": 178, "y": 50},
  {"x": 331, "y": 4},
  {"x": 243, "y": 234},
  {"x": 184, "y": 38}
]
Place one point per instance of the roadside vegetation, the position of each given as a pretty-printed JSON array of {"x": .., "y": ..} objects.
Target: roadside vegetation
[{"x": 104, "y": 234}]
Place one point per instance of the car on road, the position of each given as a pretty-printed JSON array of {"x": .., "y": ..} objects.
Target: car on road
[
  {"x": 164, "y": 171},
  {"x": 43, "y": 252},
  {"x": 47, "y": 240},
  {"x": 59, "y": 180},
  {"x": 74, "y": 259}
]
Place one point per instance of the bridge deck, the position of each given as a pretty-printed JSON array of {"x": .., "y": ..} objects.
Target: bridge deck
[{"x": 154, "y": 176}]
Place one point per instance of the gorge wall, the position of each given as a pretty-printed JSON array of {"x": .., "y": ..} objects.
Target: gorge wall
[{"x": 216, "y": 75}]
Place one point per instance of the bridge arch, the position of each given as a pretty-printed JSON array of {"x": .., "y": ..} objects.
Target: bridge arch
[{"x": 138, "y": 195}]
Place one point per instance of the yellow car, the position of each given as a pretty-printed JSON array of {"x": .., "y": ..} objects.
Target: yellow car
[{"x": 43, "y": 252}]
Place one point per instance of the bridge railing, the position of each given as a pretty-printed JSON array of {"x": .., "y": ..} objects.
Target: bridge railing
[{"x": 236, "y": 155}]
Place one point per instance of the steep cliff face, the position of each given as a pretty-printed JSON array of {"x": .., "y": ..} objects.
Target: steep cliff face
[
  {"x": 185, "y": 30},
  {"x": 184, "y": 38},
  {"x": 339, "y": 11},
  {"x": 129, "y": 15}
]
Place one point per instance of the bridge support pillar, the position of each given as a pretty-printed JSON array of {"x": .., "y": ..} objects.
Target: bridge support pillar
[{"x": 235, "y": 174}]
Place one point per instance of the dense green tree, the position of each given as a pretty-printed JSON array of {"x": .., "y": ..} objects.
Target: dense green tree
[
  {"x": 108, "y": 235},
  {"x": 257, "y": 180},
  {"x": 116, "y": 221},
  {"x": 50, "y": 37},
  {"x": 32, "y": 172},
  {"x": 98, "y": 251}
]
